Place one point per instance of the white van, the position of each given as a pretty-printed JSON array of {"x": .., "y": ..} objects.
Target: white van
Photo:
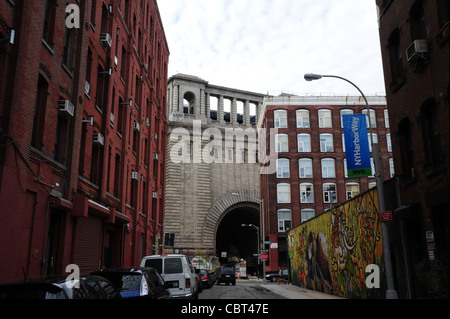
[{"x": 178, "y": 273}]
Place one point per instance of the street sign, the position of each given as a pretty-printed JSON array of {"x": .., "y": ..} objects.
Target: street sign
[
  {"x": 385, "y": 216},
  {"x": 264, "y": 257},
  {"x": 356, "y": 145}
]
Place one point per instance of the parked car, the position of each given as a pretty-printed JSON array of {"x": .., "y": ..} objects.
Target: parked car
[
  {"x": 178, "y": 273},
  {"x": 136, "y": 282},
  {"x": 273, "y": 276},
  {"x": 204, "y": 278},
  {"x": 226, "y": 275},
  {"x": 87, "y": 287}
]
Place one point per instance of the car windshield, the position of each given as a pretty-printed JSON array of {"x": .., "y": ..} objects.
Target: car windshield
[
  {"x": 173, "y": 266},
  {"x": 227, "y": 271}
]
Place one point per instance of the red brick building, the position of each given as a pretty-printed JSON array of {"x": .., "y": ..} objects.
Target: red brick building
[
  {"x": 311, "y": 175},
  {"x": 415, "y": 48},
  {"x": 82, "y": 116}
]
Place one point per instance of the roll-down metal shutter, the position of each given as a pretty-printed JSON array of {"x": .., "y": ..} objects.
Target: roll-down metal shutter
[{"x": 87, "y": 244}]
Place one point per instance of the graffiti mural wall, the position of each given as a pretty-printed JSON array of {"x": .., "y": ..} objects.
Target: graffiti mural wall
[{"x": 330, "y": 253}]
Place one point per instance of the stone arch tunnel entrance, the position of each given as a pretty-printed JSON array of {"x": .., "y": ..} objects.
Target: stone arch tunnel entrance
[{"x": 236, "y": 240}]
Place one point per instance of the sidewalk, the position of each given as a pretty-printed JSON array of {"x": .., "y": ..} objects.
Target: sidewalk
[{"x": 290, "y": 291}]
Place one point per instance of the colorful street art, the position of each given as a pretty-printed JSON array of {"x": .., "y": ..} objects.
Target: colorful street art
[{"x": 330, "y": 253}]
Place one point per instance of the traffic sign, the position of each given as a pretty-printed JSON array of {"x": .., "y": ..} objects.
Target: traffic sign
[
  {"x": 264, "y": 257},
  {"x": 385, "y": 216}
]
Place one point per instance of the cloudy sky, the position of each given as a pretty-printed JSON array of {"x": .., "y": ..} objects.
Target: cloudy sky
[{"x": 268, "y": 45}]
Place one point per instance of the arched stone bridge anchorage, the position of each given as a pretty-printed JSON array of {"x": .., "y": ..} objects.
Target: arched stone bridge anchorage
[{"x": 207, "y": 202}]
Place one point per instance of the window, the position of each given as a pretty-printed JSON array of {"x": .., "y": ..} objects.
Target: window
[
  {"x": 304, "y": 143},
  {"x": 117, "y": 176},
  {"x": 102, "y": 89},
  {"x": 305, "y": 168},
  {"x": 283, "y": 168},
  {"x": 326, "y": 143},
  {"x": 307, "y": 214},
  {"x": 395, "y": 58},
  {"x": 280, "y": 118},
  {"x": 431, "y": 134},
  {"x": 373, "y": 118},
  {"x": 284, "y": 220},
  {"x": 62, "y": 127},
  {"x": 406, "y": 150},
  {"x": 329, "y": 193},
  {"x": 325, "y": 119},
  {"x": 306, "y": 193},
  {"x": 351, "y": 190},
  {"x": 345, "y": 112},
  {"x": 283, "y": 193},
  {"x": 302, "y": 119},
  {"x": 123, "y": 64},
  {"x": 391, "y": 167},
  {"x": 386, "y": 119},
  {"x": 417, "y": 21},
  {"x": 281, "y": 143},
  {"x": 39, "y": 113},
  {"x": 49, "y": 21},
  {"x": 343, "y": 143},
  {"x": 328, "y": 168},
  {"x": 375, "y": 140},
  {"x": 389, "y": 142},
  {"x": 68, "y": 49}
]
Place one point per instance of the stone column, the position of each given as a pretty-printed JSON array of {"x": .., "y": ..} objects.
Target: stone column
[
  {"x": 247, "y": 113},
  {"x": 175, "y": 100},
  {"x": 208, "y": 106},
  {"x": 220, "y": 112},
  {"x": 234, "y": 111}
]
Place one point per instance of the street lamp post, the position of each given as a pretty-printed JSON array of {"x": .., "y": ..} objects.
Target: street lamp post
[
  {"x": 257, "y": 234},
  {"x": 391, "y": 293},
  {"x": 263, "y": 231}
]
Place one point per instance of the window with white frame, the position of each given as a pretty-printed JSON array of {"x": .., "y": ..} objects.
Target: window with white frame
[
  {"x": 280, "y": 118},
  {"x": 386, "y": 119},
  {"x": 304, "y": 143},
  {"x": 325, "y": 119},
  {"x": 328, "y": 168},
  {"x": 344, "y": 112},
  {"x": 345, "y": 168},
  {"x": 351, "y": 190},
  {"x": 373, "y": 118},
  {"x": 284, "y": 220},
  {"x": 391, "y": 167},
  {"x": 281, "y": 143},
  {"x": 329, "y": 193},
  {"x": 306, "y": 193},
  {"x": 283, "y": 168},
  {"x": 307, "y": 214},
  {"x": 302, "y": 119},
  {"x": 305, "y": 168},
  {"x": 389, "y": 142},
  {"x": 283, "y": 193},
  {"x": 375, "y": 140},
  {"x": 326, "y": 143},
  {"x": 372, "y": 165},
  {"x": 343, "y": 143}
]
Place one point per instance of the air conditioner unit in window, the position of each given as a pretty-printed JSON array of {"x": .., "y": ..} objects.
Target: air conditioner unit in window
[
  {"x": 147, "y": 122},
  {"x": 98, "y": 139},
  {"x": 135, "y": 175},
  {"x": 87, "y": 88},
  {"x": 155, "y": 195},
  {"x": 137, "y": 127},
  {"x": 417, "y": 50},
  {"x": 155, "y": 156},
  {"x": 66, "y": 108},
  {"x": 105, "y": 40}
]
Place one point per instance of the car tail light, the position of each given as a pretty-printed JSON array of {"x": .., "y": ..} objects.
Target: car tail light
[
  {"x": 205, "y": 277},
  {"x": 188, "y": 283}
]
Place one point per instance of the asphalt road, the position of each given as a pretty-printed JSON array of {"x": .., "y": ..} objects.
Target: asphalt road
[{"x": 242, "y": 290}]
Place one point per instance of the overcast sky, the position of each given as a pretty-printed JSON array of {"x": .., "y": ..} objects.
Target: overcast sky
[{"x": 268, "y": 45}]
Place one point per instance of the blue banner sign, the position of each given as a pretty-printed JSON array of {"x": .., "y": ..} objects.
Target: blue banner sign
[{"x": 357, "y": 145}]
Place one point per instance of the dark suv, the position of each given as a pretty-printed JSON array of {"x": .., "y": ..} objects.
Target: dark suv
[{"x": 226, "y": 275}]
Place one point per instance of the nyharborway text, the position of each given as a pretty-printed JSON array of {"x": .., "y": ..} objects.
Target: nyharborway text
[{"x": 230, "y": 308}]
